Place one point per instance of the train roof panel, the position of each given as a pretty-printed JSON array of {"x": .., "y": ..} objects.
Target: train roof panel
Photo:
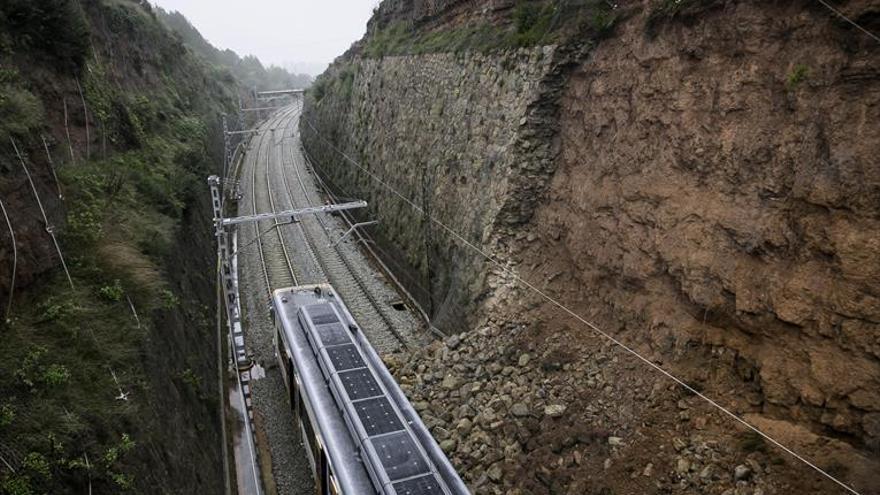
[
  {"x": 422, "y": 485},
  {"x": 378, "y": 416},
  {"x": 360, "y": 384},
  {"x": 397, "y": 449},
  {"x": 345, "y": 357},
  {"x": 399, "y": 455}
]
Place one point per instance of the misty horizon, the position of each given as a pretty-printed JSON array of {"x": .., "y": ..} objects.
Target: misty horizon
[{"x": 300, "y": 36}]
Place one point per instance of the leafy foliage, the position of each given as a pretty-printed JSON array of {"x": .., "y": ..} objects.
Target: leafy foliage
[
  {"x": 65, "y": 348},
  {"x": 112, "y": 293},
  {"x": 796, "y": 76},
  {"x": 532, "y": 23},
  {"x": 20, "y": 110},
  {"x": 57, "y": 28}
]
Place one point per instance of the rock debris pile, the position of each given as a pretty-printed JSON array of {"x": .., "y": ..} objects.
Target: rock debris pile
[{"x": 519, "y": 416}]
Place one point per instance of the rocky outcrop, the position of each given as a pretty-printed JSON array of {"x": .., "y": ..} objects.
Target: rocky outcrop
[{"x": 701, "y": 184}]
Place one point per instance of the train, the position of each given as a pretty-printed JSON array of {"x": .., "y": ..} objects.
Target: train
[{"x": 359, "y": 431}]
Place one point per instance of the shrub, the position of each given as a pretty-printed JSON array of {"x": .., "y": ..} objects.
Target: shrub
[
  {"x": 319, "y": 90},
  {"x": 752, "y": 442},
  {"x": 33, "y": 372},
  {"x": 20, "y": 111},
  {"x": 798, "y": 74},
  {"x": 7, "y": 415},
  {"x": 113, "y": 293},
  {"x": 532, "y": 21},
  {"x": 16, "y": 485},
  {"x": 603, "y": 21},
  {"x": 169, "y": 299},
  {"x": 56, "y": 374},
  {"x": 36, "y": 463}
]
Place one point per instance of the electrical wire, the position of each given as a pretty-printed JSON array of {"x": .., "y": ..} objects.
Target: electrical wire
[
  {"x": 847, "y": 19},
  {"x": 583, "y": 320}
]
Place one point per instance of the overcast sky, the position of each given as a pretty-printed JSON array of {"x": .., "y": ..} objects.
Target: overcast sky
[{"x": 280, "y": 32}]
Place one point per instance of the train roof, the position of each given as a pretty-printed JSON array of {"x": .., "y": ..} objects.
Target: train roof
[{"x": 357, "y": 403}]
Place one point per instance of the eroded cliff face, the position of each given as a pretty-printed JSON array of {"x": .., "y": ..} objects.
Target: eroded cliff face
[
  {"x": 709, "y": 194},
  {"x": 702, "y": 184}
]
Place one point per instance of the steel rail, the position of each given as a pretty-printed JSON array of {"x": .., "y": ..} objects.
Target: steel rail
[
  {"x": 365, "y": 239},
  {"x": 361, "y": 285},
  {"x": 259, "y": 236},
  {"x": 275, "y": 210}
]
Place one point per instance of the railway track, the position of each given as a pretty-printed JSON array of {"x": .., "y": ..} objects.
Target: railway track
[
  {"x": 337, "y": 267},
  {"x": 304, "y": 251},
  {"x": 275, "y": 261}
]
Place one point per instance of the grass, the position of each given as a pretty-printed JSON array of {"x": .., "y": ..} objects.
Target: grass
[
  {"x": 531, "y": 23},
  {"x": 798, "y": 74}
]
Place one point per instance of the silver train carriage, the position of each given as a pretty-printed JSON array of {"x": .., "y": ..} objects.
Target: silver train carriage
[{"x": 360, "y": 432}]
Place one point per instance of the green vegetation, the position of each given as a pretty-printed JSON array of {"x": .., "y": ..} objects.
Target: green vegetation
[
  {"x": 56, "y": 29},
  {"x": 69, "y": 353},
  {"x": 670, "y": 8},
  {"x": 751, "y": 441},
  {"x": 798, "y": 74},
  {"x": 532, "y": 23},
  {"x": 341, "y": 84},
  {"x": 113, "y": 292},
  {"x": 20, "y": 110}
]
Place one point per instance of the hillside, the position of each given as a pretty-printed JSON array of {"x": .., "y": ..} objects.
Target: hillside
[
  {"x": 696, "y": 179},
  {"x": 247, "y": 70},
  {"x": 109, "y": 379}
]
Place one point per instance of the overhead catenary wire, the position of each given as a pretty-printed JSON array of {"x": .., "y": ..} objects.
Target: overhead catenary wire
[
  {"x": 581, "y": 319},
  {"x": 14, "y": 260},
  {"x": 49, "y": 229},
  {"x": 366, "y": 240}
]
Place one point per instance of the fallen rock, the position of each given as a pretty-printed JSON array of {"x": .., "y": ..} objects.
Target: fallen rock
[
  {"x": 520, "y": 410},
  {"x": 449, "y": 445},
  {"x": 682, "y": 466},
  {"x": 742, "y": 472},
  {"x": 450, "y": 382},
  {"x": 495, "y": 472},
  {"x": 555, "y": 410}
]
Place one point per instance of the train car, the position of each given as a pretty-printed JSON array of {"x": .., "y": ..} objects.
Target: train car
[{"x": 360, "y": 432}]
